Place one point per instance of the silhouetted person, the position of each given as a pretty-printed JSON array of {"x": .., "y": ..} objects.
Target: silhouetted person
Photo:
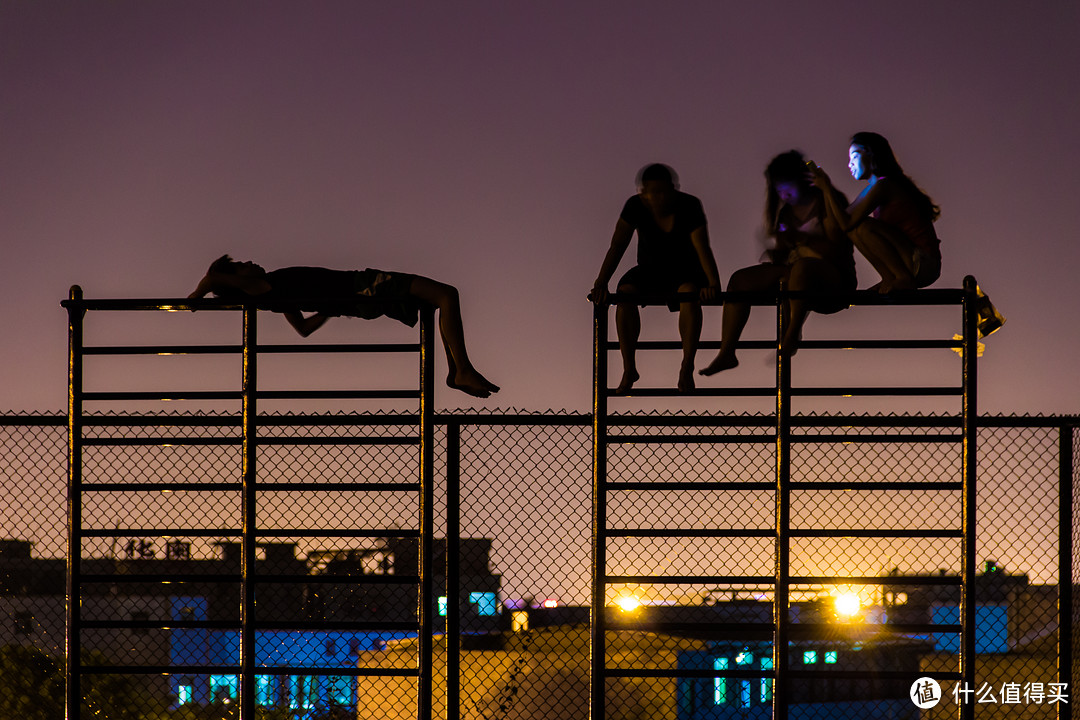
[
  {"x": 355, "y": 293},
  {"x": 812, "y": 253},
  {"x": 891, "y": 222},
  {"x": 673, "y": 255}
]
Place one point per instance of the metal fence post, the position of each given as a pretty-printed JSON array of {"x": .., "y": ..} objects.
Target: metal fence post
[
  {"x": 248, "y": 546},
  {"x": 425, "y": 641},
  {"x": 1065, "y": 564},
  {"x": 970, "y": 469},
  {"x": 453, "y": 569},
  {"x": 783, "y": 511},
  {"x": 73, "y": 646},
  {"x": 597, "y": 647}
]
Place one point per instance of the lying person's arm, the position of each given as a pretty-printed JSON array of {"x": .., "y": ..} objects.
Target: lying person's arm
[{"x": 306, "y": 325}]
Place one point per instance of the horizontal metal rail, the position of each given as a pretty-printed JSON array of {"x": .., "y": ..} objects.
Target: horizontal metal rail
[
  {"x": 345, "y": 670},
  {"x": 160, "y": 532},
  {"x": 622, "y": 438},
  {"x": 827, "y": 630},
  {"x": 224, "y": 420},
  {"x": 261, "y": 394},
  {"x": 689, "y": 533},
  {"x": 766, "y": 674},
  {"x": 338, "y": 487},
  {"x": 876, "y": 485},
  {"x": 167, "y": 487},
  {"x": 899, "y": 581},
  {"x": 924, "y": 344},
  {"x": 617, "y": 672},
  {"x": 237, "y": 441},
  {"x": 90, "y": 578},
  {"x": 874, "y": 533},
  {"x": 328, "y": 625},
  {"x": 926, "y": 296},
  {"x": 317, "y": 532},
  {"x": 696, "y": 627},
  {"x": 689, "y": 579},
  {"x": 236, "y": 349},
  {"x": 164, "y": 487},
  {"x": 808, "y": 439},
  {"x": 289, "y": 578},
  {"x": 690, "y": 485}
]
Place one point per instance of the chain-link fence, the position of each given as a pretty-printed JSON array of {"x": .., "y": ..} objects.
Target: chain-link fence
[{"x": 515, "y": 493}]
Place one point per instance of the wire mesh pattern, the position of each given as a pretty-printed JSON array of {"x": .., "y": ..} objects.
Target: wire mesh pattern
[{"x": 521, "y": 511}]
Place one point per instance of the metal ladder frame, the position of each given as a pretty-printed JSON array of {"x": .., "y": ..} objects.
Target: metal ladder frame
[{"x": 250, "y": 441}]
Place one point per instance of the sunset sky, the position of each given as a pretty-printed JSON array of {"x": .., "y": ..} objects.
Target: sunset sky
[{"x": 491, "y": 145}]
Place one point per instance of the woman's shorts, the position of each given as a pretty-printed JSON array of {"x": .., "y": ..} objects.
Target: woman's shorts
[{"x": 927, "y": 269}]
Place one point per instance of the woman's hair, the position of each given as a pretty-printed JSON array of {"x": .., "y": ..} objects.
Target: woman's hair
[
  {"x": 788, "y": 167},
  {"x": 657, "y": 172},
  {"x": 882, "y": 162}
]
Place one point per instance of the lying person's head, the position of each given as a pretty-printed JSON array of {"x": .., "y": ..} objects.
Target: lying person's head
[{"x": 222, "y": 273}]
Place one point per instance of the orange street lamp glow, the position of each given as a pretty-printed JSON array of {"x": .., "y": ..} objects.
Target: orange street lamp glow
[{"x": 847, "y": 605}]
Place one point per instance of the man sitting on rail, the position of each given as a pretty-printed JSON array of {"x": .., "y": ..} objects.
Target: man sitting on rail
[
  {"x": 355, "y": 293},
  {"x": 673, "y": 255}
]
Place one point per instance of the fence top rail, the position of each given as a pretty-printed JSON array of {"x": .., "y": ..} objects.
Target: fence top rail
[
  {"x": 544, "y": 419},
  {"x": 340, "y": 307},
  {"x": 933, "y": 296}
]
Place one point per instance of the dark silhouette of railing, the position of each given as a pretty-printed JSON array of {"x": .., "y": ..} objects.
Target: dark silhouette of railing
[
  {"x": 777, "y": 429},
  {"x": 781, "y": 673},
  {"x": 250, "y": 440}
]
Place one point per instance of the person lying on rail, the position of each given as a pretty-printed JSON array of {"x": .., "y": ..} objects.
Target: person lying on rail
[
  {"x": 673, "y": 255},
  {"x": 365, "y": 294}
]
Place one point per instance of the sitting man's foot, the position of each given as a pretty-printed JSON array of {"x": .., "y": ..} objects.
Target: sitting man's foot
[
  {"x": 720, "y": 363},
  {"x": 686, "y": 377},
  {"x": 629, "y": 377}
]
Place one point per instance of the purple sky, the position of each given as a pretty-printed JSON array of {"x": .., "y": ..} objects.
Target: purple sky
[{"x": 492, "y": 146}]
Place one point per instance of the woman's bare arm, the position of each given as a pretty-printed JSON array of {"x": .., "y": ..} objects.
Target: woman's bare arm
[{"x": 872, "y": 197}]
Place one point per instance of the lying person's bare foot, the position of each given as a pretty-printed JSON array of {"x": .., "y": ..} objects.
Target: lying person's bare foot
[
  {"x": 472, "y": 383},
  {"x": 629, "y": 377},
  {"x": 791, "y": 343},
  {"x": 720, "y": 363},
  {"x": 686, "y": 377}
]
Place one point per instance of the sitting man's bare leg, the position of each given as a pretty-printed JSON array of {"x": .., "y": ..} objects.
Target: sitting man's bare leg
[
  {"x": 690, "y": 334},
  {"x": 628, "y": 328}
]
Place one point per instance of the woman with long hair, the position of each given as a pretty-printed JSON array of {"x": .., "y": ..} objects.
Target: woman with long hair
[
  {"x": 811, "y": 254},
  {"x": 891, "y": 221}
]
